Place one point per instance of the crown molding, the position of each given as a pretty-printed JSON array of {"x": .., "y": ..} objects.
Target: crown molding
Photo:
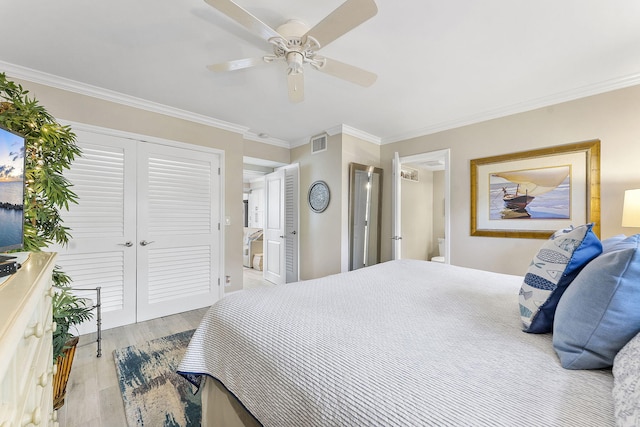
[
  {"x": 357, "y": 133},
  {"x": 62, "y": 83},
  {"x": 365, "y": 136},
  {"x": 251, "y": 136},
  {"x": 342, "y": 129},
  {"x": 334, "y": 130},
  {"x": 529, "y": 105},
  {"x": 58, "y": 82}
]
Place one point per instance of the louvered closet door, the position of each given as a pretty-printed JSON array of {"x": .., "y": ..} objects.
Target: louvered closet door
[
  {"x": 292, "y": 202},
  {"x": 102, "y": 224},
  {"x": 178, "y": 230}
]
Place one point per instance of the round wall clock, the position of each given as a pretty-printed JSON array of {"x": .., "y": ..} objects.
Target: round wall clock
[{"x": 319, "y": 196}]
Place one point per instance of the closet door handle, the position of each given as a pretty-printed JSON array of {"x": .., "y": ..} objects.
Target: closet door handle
[
  {"x": 145, "y": 243},
  {"x": 127, "y": 244}
]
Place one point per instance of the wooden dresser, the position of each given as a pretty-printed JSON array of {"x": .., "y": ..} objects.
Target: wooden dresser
[{"x": 26, "y": 360}]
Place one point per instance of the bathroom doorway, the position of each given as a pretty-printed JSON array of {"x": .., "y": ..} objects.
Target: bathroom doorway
[{"x": 421, "y": 185}]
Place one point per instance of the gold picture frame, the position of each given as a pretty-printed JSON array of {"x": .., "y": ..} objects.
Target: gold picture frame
[{"x": 496, "y": 183}]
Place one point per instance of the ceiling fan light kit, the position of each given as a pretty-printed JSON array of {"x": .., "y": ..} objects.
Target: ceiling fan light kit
[
  {"x": 297, "y": 45},
  {"x": 295, "y": 61}
]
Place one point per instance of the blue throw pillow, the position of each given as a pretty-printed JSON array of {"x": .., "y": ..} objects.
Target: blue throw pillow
[
  {"x": 608, "y": 244},
  {"x": 600, "y": 312},
  {"x": 553, "y": 268}
]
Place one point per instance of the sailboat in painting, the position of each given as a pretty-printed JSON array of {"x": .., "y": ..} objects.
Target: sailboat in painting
[
  {"x": 516, "y": 200},
  {"x": 529, "y": 184}
]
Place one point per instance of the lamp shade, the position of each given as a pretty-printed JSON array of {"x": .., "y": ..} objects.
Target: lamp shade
[{"x": 631, "y": 209}]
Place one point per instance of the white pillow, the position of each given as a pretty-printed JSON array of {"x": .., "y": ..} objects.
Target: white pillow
[{"x": 626, "y": 384}]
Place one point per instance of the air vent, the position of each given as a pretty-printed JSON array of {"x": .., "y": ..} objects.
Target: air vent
[{"x": 318, "y": 143}]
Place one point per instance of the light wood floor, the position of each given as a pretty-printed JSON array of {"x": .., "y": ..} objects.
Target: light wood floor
[
  {"x": 253, "y": 278},
  {"x": 93, "y": 395}
]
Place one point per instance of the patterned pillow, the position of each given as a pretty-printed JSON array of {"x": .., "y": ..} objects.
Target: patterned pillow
[
  {"x": 598, "y": 314},
  {"x": 626, "y": 384},
  {"x": 553, "y": 268}
]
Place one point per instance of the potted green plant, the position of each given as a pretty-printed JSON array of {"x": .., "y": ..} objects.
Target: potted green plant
[
  {"x": 50, "y": 150},
  {"x": 68, "y": 311}
]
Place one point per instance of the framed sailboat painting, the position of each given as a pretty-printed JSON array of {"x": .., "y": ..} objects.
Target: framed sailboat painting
[{"x": 531, "y": 194}]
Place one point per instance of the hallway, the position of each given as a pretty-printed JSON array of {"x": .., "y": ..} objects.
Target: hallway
[{"x": 253, "y": 279}]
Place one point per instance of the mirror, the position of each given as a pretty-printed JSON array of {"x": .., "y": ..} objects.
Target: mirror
[{"x": 365, "y": 211}]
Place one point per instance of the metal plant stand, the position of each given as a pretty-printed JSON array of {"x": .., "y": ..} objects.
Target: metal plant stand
[{"x": 98, "y": 307}]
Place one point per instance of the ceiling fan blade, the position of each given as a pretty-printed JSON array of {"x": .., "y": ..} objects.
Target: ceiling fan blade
[
  {"x": 238, "y": 64},
  {"x": 295, "y": 83},
  {"x": 348, "y": 72},
  {"x": 342, "y": 20},
  {"x": 244, "y": 18}
]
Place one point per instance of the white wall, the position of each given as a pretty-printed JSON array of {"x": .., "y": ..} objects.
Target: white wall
[
  {"x": 613, "y": 117},
  {"x": 324, "y": 237},
  {"x": 438, "y": 211},
  {"x": 320, "y": 232},
  {"x": 417, "y": 216}
]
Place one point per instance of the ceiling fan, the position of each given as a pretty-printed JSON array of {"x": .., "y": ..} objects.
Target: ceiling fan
[{"x": 297, "y": 44}]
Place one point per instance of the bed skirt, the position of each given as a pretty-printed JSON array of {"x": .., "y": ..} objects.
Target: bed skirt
[{"x": 220, "y": 408}]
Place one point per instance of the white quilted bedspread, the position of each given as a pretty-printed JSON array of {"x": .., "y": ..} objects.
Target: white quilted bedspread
[{"x": 403, "y": 343}]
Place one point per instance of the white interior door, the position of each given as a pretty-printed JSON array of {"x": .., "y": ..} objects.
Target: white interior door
[
  {"x": 274, "y": 228},
  {"x": 102, "y": 250},
  {"x": 178, "y": 230},
  {"x": 396, "y": 185},
  {"x": 292, "y": 220}
]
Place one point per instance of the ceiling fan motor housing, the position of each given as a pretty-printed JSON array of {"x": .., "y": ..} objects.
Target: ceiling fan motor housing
[
  {"x": 293, "y": 49},
  {"x": 293, "y": 28}
]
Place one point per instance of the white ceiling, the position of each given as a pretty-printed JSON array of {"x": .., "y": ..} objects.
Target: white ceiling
[{"x": 440, "y": 64}]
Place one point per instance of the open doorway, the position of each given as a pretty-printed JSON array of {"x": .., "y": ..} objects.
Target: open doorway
[
  {"x": 421, "y": 206},
  {"x": 253, "y": 198}
]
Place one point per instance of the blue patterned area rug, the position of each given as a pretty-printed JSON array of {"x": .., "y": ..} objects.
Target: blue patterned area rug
[{"x": 154, "y": 394}]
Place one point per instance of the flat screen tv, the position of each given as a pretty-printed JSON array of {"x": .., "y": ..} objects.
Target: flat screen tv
[{"x": 12, "y": 148}]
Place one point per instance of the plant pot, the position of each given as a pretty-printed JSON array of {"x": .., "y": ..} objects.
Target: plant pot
[{"x": 61, "y": 377}]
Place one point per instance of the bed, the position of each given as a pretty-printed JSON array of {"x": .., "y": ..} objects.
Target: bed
[{"x": 402, "y": 343}]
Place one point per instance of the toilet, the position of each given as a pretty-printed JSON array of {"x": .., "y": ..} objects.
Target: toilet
[{"x": 440, "y": 257}]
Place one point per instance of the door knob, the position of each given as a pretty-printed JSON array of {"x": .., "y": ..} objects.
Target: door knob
[
  {"x": 145, "y": 243},
  {"x": 293, "y": 232},
  {"x": 127, "y": 244}
]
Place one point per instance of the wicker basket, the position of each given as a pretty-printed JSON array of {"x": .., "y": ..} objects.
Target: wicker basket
[{"x": 61, "y": 376}]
